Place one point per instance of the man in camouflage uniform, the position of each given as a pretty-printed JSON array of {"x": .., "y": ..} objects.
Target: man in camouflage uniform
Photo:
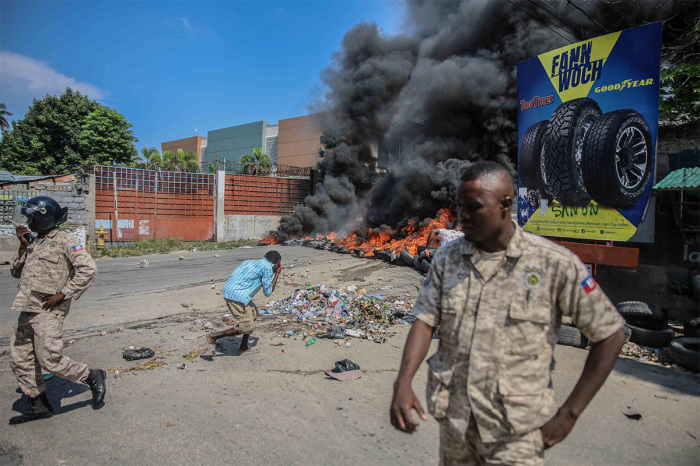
[
  {"x": 499, "y": 296},
  {"x": 52, "y": 270}
]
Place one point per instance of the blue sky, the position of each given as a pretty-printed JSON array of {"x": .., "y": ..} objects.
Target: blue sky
[{"x": 172, "y": 66}]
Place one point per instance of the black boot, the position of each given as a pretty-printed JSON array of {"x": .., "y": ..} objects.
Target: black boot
[
  {"x": 39, "y": 408},
  {"x": 96, "y": 382}
]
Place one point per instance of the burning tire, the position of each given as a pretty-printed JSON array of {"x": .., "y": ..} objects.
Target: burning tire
[
  {"x": 562, "y": 150},
  {"x": 407, "y": 257},
  {"x": 424, "y": 266},
  {"x": 531, "y": 156},
  {"x": 619, "y": 158}
]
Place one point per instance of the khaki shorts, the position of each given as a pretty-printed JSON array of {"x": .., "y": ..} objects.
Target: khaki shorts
[
  {"x": 526, "y": 449},
  {"x": 245, "y": 316}
]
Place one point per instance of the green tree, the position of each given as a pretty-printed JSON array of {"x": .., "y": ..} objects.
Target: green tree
[
  {"x": 257, "y": 164},
  {"x": 107, "y": 138},
  {"x": 46, "y": 140},
  {"x": 4, "y": 126},
  {"x": 187, "y": 161},
  {"x": 680, "y": 77},
  {"x": 150, "y": 156}
]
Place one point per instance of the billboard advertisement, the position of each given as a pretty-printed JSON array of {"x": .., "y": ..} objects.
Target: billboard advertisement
[{"x": 587, "y": 127}]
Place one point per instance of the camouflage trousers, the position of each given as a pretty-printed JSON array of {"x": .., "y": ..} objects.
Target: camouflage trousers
[
  {"x": 526, "y": 449},
  {"x": 37, "y": 344}
]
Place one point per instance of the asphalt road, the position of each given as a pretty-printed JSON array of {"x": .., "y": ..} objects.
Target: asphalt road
[{"x": 271, "y": 407}]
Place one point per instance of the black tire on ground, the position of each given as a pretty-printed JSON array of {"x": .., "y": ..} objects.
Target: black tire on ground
[
  {"x": 651, "y": 338},
  {"x": 628, "y": 333},
  {"x": 571, "y": 336},
  {"x": 562, "y": 150},
  {"x": 686, "y": 353},
  {"x": 633, "y": 308},
  {"x": 407, "y": 257},
  {"x": 648, "y": 322},
  {"x": 530, "y": 166},
  {"x": 692, "y": 328},
  {"x": 424, "y": 266},
  {"x": 421, "y": 249},
  {"x": 416, "y": 262},
  {"x": 619, "y": 158}
]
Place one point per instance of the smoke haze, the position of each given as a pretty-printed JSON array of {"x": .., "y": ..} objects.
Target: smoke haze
[{"x": 435, "y": 99}]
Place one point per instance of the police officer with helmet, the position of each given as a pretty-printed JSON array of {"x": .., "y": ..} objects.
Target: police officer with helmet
[{"x": 53, "y": 268}]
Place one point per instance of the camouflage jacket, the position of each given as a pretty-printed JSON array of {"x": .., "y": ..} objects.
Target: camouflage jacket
[
  {"x": 55, "y": 263},
  {"x": 497, "y": 333}
]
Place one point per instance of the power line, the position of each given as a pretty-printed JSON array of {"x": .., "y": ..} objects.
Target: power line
[
  {"x": 512, "y": 2},
  {"x": 570, "y": 2},
  {"x": 558, "y": 15}
]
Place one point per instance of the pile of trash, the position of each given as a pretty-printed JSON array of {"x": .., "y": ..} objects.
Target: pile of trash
[{"x": 346, "y": 312}]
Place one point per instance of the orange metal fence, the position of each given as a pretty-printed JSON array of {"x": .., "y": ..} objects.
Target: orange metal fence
[
  {"x": 258, "y": 195},
  {"x": 154, "y": 204}
]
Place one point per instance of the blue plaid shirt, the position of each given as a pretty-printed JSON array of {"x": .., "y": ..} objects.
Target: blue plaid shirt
[{"x": 247, "y": 279}]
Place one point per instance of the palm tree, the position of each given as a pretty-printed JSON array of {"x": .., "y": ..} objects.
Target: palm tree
[
  {"x": 187, "y": 161},
  {"x": 257, "y": 164},
  {"x": 152, "y": 159},
  {"x": 4, "y": 126},
  {"x": 169, "y": 161}
]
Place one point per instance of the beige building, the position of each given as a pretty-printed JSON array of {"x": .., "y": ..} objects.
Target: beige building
[
  {"x": 298, "y": 141},
  {"x": 194, "y": 144}
]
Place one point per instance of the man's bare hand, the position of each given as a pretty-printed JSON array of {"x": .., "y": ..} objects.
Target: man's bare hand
[
  {"x": 401, "y": 405},
  {"x": 51, "y": 301},
  {"x": 21, "y": 231},
  {"x": 557, "y": 428}
]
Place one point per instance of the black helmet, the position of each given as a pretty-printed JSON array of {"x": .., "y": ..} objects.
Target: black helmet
[{"x": 43, "y": 213}]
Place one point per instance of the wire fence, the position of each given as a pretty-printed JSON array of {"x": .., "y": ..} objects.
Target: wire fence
[
  {"x": 236, "y": 168},
  {"x": 9, "y": 198}
]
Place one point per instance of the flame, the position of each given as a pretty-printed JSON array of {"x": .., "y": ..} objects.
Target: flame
[
  {"x": 268, "y": 241},
  {"x": 410, "y": 237}
]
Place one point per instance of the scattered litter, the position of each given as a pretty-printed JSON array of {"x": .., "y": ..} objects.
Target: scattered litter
[
  {"x": 181, "y": 258},
  {"x": 147, "y": 365},
  {"x": 388, "y": 287},
  {"x": 143, "y": 264},
  {"x": 226, "y": 315},
  {"x": 213, "y": 287},
  {"x": 343, "y": 376},
  {"x": 216, "y": 255},
  {"x": 282, "y": 351},
  {"x": 632, "y": 412},
  {"x": 311, "y": 342},
  {"x": 345, "y": 365},
  {"x": 182, "y": 365},
  {"x": 691, "y": 435},
  {"x": 276, "y": 344},
  {"x": 224, "y": 401},
  {"x": 116, "y": 374},
  {"x": 207, "y": 326},
  {"x": 103, "y": 333},
  {"x": 194, "y": 249},
  {"x": 48, "y": 376},
  {"x": 167, "y": 424},
  {"x": 195, "y": 353},
  {"x": 132, "y": 354}
]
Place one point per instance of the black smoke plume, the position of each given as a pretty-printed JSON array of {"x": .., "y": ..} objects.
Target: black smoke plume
[{"x": 431, "y": 101}]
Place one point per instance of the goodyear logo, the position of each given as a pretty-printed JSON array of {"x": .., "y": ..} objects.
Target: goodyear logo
[{"x": 626, "y": 84}]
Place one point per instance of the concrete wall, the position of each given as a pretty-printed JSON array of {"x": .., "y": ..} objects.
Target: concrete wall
[
  {"x": 193, "y": 144},
  {"x": 231, "y": 143},
  {"x": 73, "y": 195},
  {"x": 298, "y": 141},
  {"x": 237, "y": 227}
]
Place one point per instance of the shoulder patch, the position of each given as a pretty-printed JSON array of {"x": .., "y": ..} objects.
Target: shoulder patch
[
  {"x": 77, "y": 248},
  {"x": 589, "y": 284}
]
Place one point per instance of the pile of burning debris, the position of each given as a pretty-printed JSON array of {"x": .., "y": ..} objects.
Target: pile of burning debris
[{"x": 404, "y": 247}]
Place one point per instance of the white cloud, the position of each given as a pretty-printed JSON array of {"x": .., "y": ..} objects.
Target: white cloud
[
  {"x": 186, "y": 23},
  {"x": 36, "y": 78}
]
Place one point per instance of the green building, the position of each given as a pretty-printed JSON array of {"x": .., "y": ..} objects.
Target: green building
[{"x": 229, "y": 144}]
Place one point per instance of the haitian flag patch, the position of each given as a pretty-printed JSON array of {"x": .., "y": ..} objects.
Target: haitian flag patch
[
  {"x": 589, "y": 284},
  {"x": 78, "y": 248}
]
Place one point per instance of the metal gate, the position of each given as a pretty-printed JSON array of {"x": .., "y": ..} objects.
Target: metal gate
[{"x": 134, "y": 204}]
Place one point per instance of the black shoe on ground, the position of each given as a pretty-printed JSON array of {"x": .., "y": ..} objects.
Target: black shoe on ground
[
  {"x": 39, "y": 408},
  {"x": 96, "y": 382}
]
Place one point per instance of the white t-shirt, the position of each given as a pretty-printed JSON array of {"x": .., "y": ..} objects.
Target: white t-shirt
[{"x": 447, "y": 236}]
